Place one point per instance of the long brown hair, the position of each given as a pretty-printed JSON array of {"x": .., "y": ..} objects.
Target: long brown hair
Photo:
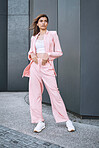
[{"x": 34, "y": 26}]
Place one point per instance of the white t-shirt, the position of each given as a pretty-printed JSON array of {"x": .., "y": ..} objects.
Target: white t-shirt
[{"x": 40, "y": 46}]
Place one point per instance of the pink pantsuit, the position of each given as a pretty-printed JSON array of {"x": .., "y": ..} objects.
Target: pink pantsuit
[{"x": 39, "y": 73}]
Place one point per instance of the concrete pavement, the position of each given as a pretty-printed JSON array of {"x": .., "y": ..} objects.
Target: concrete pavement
[{"x": 15, "y": 117}]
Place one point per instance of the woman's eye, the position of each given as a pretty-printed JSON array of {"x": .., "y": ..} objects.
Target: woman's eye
[{"x": 42, "y": 21}]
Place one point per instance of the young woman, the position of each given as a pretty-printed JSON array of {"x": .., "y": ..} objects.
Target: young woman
[{"x": 45, "y": 47}]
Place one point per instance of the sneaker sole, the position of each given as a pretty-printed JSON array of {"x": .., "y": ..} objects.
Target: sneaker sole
[
  {"x": 39, "y": 131},
  {"x": 70, "y": 130}
]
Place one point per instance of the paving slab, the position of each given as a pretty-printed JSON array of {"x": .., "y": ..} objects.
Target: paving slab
[{"x": 10, "y": 138}]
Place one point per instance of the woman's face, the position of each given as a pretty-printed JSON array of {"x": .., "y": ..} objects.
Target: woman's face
[{"x": 42, "y": 23}]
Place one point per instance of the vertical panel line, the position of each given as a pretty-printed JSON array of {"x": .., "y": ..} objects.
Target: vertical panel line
[
  {"x": 57, "y": 32},
  {"x": 7, "y": 46}
]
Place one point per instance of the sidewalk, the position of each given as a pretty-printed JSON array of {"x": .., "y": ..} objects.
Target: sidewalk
[{"x": 16, "y": 129}]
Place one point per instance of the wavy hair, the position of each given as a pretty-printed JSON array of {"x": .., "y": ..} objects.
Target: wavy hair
[{"x": 34, "y": 26}]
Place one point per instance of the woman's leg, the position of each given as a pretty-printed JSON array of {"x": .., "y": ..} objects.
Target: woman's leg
[
  {"x": 35, "y": 94},
  {"x": 58, "y": 106}
]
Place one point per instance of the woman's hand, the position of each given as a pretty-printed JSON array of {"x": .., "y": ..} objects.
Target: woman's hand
[
  {"x": 45, "y": 59},
  {"x": 34, "y": 58},
  {"x": 32, "y": 55}
]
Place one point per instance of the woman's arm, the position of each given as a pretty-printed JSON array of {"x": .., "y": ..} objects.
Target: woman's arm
[
  {"x": 58, "y": 51},
  {"x": 31, "y": 50}
]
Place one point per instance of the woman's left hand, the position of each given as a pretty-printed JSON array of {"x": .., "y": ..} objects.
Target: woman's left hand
[{"x": 45, "y": 59}]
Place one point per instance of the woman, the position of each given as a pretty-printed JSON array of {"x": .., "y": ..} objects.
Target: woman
[{"x": 45, "y": 47}]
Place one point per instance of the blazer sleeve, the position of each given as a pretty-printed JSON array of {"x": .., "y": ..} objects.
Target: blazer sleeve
[
  {"x": 58, "y": 51},
  {"x": 31, "y": 48}
]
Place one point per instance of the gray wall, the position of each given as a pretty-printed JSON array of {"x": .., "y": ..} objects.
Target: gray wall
[
  {"x": 18, "y": 43},
  {"x": 78, "y": 80},
  {"x": 3, "y": 45},
  {"x": 69, "y": 63},
  {"x": 89, "y": 57}
]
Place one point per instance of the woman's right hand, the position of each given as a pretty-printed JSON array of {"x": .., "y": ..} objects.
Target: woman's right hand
[{"x": 34, "y": 58}]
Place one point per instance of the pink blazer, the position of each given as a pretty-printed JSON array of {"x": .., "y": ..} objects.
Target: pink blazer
[{"x": 52, "y": 47}]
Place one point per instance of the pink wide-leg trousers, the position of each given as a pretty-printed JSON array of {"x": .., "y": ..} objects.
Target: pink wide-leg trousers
[{"x": 39, "y": 72}]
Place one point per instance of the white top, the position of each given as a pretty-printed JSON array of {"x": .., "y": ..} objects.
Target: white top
[{"x": 40, "y": 46}]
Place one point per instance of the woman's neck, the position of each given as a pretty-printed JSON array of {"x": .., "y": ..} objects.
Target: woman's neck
[{"x": 42, "y": 32}]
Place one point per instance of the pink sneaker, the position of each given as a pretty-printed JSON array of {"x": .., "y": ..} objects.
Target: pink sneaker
[
  {"x": 70, "y": 126},
  {"x": 40, "y": 126}
]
